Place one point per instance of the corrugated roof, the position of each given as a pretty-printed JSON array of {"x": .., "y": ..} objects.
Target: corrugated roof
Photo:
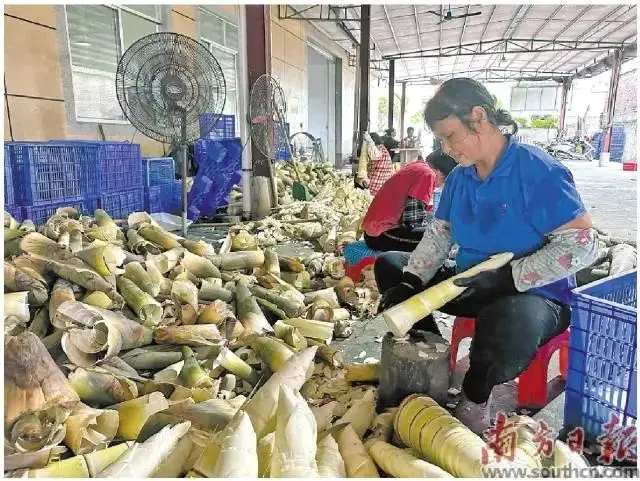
[{"x": 503, "y": 41}]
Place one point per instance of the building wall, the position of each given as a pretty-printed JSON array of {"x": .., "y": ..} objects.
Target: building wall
[{"x": 626, "y": 113}]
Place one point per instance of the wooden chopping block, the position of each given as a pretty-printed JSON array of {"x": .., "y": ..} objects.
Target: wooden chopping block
[{"x": 413, "y": 365}]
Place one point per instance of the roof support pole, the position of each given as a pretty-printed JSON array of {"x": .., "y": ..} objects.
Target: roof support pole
[
  {"x": 611, "y": 97},
  {"x": 566, "y": 87},
  {"x": 243, "y": 104},
  {"x": 403, "y": 103},
  {"x": 258, "y": 44},
  {"x": 365, "y": 56},
  {"x": 392, "y": 83}
]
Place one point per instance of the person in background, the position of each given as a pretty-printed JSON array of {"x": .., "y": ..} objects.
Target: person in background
[
  {"x": 379, "y": 168},
  {"x": 411, "y": 141},
  {"x": 396, "y": 218},
  {"x": 391, "y": 144},
  {"x": 502, "y": 197}
]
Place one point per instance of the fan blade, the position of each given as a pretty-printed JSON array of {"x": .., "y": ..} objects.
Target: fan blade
[
  {"x": 437, "y": 14},
  {"x": 473, "y": 14}
]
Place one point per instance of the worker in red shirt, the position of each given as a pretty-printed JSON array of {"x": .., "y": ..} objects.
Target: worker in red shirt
[{"x": 398, "y": 213}]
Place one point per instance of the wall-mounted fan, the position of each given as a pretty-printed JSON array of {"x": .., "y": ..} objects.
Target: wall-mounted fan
[
  {"x": 450, "y": 16},
  {"x": 164, "y": 83}
]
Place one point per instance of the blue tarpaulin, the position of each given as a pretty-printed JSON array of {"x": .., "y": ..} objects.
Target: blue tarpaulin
[{"x": 219, "y": 170}]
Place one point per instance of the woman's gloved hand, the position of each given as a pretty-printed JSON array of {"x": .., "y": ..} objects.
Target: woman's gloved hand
[
  {"x": 496, "y": 281},
  {"x": 410, "y": 286}
]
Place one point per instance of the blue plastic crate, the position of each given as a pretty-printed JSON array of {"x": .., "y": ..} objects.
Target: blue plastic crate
[
  {"x": 9, "y": 198},
  {"x": 112, "y": 166},
  {"x": 602, "y": 374},
  {"x": 40, "y": 213},
  {"x": 223, "y": 128},
  {"x": 120, "y": 204},
  {"x": 46, "y": 172},
  {"x": 158, "y": 170},
  {"x": 14, "y": 210},
  {"x": 164, "y": 198}
]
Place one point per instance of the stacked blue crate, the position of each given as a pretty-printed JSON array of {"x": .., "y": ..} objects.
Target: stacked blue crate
[
  {"x": 9, "y": 200},
  {"x": 162, "y": 192},
  {"x": 222, "y": 128},
  {"x": 618, "y": 138}
]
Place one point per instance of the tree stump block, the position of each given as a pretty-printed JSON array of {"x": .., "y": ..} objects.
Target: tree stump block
[{"x": 413, "y": 365}]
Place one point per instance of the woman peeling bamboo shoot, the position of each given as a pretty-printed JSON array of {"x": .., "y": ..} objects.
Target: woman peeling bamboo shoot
[{"x": 502, "y": 197}]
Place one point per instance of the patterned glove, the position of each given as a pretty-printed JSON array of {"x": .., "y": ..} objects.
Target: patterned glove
[{"x": 410, "y": 285}]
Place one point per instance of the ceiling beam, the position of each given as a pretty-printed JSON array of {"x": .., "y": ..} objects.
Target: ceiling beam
[
  {"x": 464, "y": 25},
  {"x": 440, "y": 37},
  {"x": 540, "y": 28},
  {"x": 628, "y": 52},
  {"x": 512, "y": 28},
  {"x": 484, "y": 30},
  {"x": 593, "y": 30},
  {"x": 393, "y": 32},
  {"x": 508, "y": 46},
  {"x": 415, "y": 16}
]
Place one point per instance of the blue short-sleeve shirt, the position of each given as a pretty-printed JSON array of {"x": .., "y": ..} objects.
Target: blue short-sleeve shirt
[{"x": 528, "y": 195}]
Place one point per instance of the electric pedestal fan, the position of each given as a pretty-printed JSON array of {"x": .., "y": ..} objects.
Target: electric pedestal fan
[
  {"x": 267, "y": 112},
  {"x": 165, "y": 82}
]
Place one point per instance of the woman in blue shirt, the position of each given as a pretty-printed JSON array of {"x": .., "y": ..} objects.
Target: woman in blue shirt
[{"x": 502, "y": 197}]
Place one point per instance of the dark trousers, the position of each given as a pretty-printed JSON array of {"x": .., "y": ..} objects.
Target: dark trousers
[
  {"x": 509, "y": 328},
  {"x": 398, "y": 239}
]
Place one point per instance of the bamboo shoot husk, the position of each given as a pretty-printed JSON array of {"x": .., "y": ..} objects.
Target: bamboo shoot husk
[
  {"x": 324, "y": 415},
  {"x": 361, "y": 414},
  {"x": 290, "y": 307},
  {"x": 185, "y": 292},
  {"x": 400, "y": 464},
  {"x": 75, "y": 240},
  {"x": 331, "y": 356},
  {"x": 106, "y": 229},
  {"x": 290, "y": 264},
  {"x": 295, "y": 443},
  {"x": 271, "y": 262},
  {"x": 37, "y": 430},
  {"x": 99, "y": 387},
  {"x": 340, "y": 315},
  {"x": 90, "y": 429},
  {"x": 243, "y": 241},
  {"x": 283, "y": 288},
  {"x": 176, "y": 464},
  {"x": 194, "y": 335},
  {"x": 33, "y": 382},
  {"x": 272, "y": 351},
  {"x": 199, "y": 248},
  {"x": 272, "y": 308},
  {"x": 61, "y": 292},
  {"x": 143, "y": 459},
  {"x": 33, "y": 460},
  {"x": 158, "y": 236},
  {"x": 357, "y": 462},
  {"x": 262, "y": 406},
  {"x": 37, "y": 244},
  {"x": 249, "y": 313},
  {"x": 136, "y": 273},
  {"x": 328, "y": 295},
  {"x": 98, "y": 299},
  {"x": 141, "y": 246},
  {"x": 152, "y": 358},
  {"x": 238, "y": 456},
  {"x": 334, "y": 267},
  {"x": 142, "y": 304},
  {"x": 40, "y": 323},
  {"x": 205, "y": 465},
  {"x": 299, "y": 280},
  {"x": 169, "y": 373},
  {"x": 214, "y": 313},
  {"x": 167, "y": 260},
  {"x": 16, "y": 311},
  {"x": 103, "y": 257},
  {"x": 234, "y": 364},
  {"x": 20, "y": 280},
  {"x": 85, "y": 277},
  {"x": 265, "y": 454},
  {"x": 135, "y": 412},
  {"x": 329, "y": 460},
  {"x": 191, "y": 374},
  {"x": 88, "y": 465},
  {"x": 209, "y": 292},
  {"x": 321, "y": 311},
  {"x": 401, "y": 317},
  {"x": 323, "y": 331},
  {"x": 199, "y": 266},
  {"x": 358, "y": 372},
  {"x": 241, "y": 260},
  {"x": 289, "y": 334}
]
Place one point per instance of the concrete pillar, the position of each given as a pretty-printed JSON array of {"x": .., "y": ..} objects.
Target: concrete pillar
[
  {"x": 611, "y": 98},
  {"x": 566, "y": 87},
  {"x": 403, "y": 103},
  {"x": 392, "y": 81},
  {"x": 365, "y": 55}
]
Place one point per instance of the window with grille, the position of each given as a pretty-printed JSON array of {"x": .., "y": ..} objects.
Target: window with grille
[
  {"x": 221, "y": 38},
  {"x": 98, "y": 36},
  {"x": 534, "y": 99}
]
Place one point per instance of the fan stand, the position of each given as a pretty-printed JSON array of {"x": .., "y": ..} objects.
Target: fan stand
[{"x": 182, "y": 154}]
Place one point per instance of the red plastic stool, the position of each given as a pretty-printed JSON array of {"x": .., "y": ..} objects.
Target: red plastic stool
[
  {"x": 532, "y": 383},
  {"x": 354, "y": 271}
]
